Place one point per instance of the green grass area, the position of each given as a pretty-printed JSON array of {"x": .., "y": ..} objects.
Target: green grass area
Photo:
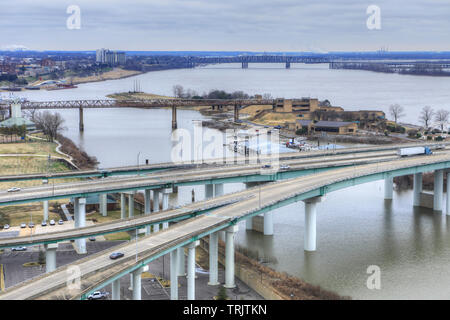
[
  {"x": 15, "y": 215},
  {"x": 117, "y": 236}
]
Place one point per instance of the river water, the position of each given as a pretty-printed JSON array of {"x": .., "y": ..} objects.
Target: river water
[{"x": 356, "y": 227}]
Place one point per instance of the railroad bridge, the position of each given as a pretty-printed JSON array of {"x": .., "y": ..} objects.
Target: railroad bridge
[{"x": 136, "y": 103}]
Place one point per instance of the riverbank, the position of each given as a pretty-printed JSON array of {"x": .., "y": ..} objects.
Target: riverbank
[{"x": 116, "y": 73}]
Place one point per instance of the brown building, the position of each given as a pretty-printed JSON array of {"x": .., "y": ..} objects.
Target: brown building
[
  {"x": 303, "y": 105},
  {"x": 334, "y": 127}
]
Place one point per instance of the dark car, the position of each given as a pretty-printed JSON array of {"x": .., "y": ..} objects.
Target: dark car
[
  {"x": 266, "y": 166},
  {"x": 277, "y": 127},
  {"x": 31, "y": 225},
  {"x": 92, "y": 239},
  {"x": 116, "y": 255}
]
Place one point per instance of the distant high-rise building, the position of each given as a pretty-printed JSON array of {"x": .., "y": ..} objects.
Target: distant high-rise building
[{"x": 110, "y": 57}]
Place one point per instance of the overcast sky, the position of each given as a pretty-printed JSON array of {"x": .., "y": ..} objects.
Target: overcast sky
[{"x": 226, "y": 25}]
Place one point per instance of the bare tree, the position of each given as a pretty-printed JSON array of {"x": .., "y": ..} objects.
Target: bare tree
[
  {"x": 442, "y": 118},
  {"x": 49, "y": 123},
  {"x": 31, "y": 114},
  {"x": 397, "y": 111},
  {"x": 426, "y": 115},
  {"x": 267, "y": 96},
  {"x": 178, "y": 91}
]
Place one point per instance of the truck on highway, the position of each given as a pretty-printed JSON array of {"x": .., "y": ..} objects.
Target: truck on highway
[{"x": 414, "y": 151}]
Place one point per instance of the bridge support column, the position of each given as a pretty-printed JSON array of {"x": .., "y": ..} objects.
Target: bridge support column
[
  {"x": 123, "y": 213},
  {"x": 130, "y": 205},
  {"x": 417, "y": 188},
  {"x": 174, "y": 117},
  {"x": 249, "y": 223},
  {"x": 45, "y": 203},
  {"x": 80, "y": 222},
  {"x": 115, "y": 290},
  {"x": 438, "y": 189},
  {"x": 229, "y": 257},
  {"x": 103, "y": 204},
  {"x": 50, "y": 256},
  {"x": 156, "y": 207},
  {"x": 236, "y": 113},
  {"x": 191, "y": 270},
  {"x": 137, "y": 288},
  {"x": 209, "y": 191},
  {"x": 310, "y": 223},
  {"x": 218, "y": 190},
  {"x": 147, "y": 208},
  {"x": 388, "y": 188},
  {"x": 268, "y": 223},
  {"x": 448, "y": 194},
  {"x": 181, "y": 268},
  {"x": 165, "y": 204},
  {"x": 174, "y": 274},
  {"x": 213, "y": 258},
  {"x": 81, "y": 122}
]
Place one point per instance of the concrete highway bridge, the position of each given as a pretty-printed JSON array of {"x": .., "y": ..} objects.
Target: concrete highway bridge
[
  {"x": 136, "y": 103},
  {"x": 97, "y": 271},
  {"x": 218, "y": 213},
  {"x": 391, "y": 150}
]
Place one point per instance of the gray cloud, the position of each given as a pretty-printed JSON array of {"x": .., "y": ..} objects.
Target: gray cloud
[{"x": 260, "y": 25}]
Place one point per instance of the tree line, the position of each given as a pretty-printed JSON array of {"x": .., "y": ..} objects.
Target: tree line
[
  {"x": 180, "y": 92},
  {"x": 427, "y": 116}
]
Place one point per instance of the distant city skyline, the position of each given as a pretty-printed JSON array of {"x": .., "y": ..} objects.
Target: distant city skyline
[{"x": 201, "y": 25}]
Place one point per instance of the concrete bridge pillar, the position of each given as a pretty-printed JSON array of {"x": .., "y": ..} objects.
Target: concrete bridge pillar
[
  {"x": 268, "y": 223},
  {"x": 165, "y": 203},
  {"x": 103, "y": 204},
  {"x": 156, "y": 207},
  {"x": 249, "y": 223},
  {"x": 310, "y": 223},
  {"x": 448, "y": 194},
  {"x": 130, "y": 205},
  {"x": 174, "y": 274},
  {"x": 45, "y": 203},
  {"x": 417, "y": 188},
  {"x": 50, "y": 256},
  {"x": 181, "y": 268},
  {"x": 438, "y": 189},
  {"x": 388, "y": 188},
  {"x": 218, "y": 189},
  {"x": 80, "y": 222},
  {"x": 137, "y": 288},
  {"x": 229, "y": 257},
  {"x": 147, "y": 208},
  {"x": 123, "y": 213},
  {"x": 213, "y": 259},
  {"x": 236, "y": 112},
  {"x": 81, "y": 122},
  {"x": 174, "y": 117},
  {"x": 191, "y": 270},
  {"x": 115, "y": 290},
  {"x": 209, "y": 191}
]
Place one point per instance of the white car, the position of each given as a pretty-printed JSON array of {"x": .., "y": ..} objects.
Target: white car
[
  {"x": 14, "y": 189},
  {"x": 23, "y": 225},
  {"x": 97, "y": 295},
  {"x": 6, "y": 226},
  {"x": 284, "y": 167},
  {"x": 52, "y": 222},
  {"x": 19, "y": 249}
]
